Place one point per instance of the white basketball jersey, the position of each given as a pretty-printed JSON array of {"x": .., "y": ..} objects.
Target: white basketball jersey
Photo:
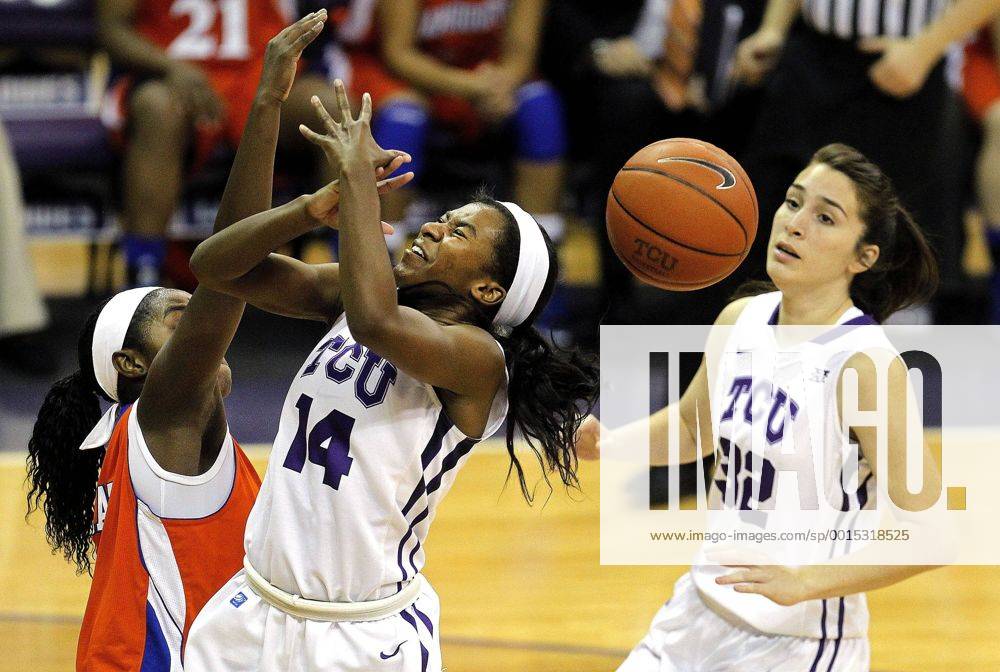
[
  {"x": 363, "y": 455},
  {"x": 762, "y": 397}
]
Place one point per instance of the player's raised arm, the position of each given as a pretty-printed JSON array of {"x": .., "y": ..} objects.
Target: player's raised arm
[
  {"x": 693, "y": 409},
  {"x": 177, "y": 412},
  {"x": 241, "y": 261},
  {"x": 460, "y": 358}
]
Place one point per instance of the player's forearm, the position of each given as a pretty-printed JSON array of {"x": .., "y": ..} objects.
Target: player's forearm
[
  {"x": 520, "y": 45},
  {"x": 656, "y": 432},
  {"x": 236, "y": 250},
  {"x": 430, "y": 75},
  {"x": 131, "y": 50},
  {"x": 367, "y": 287},
  {"x": 248, "y": 190},
  {"x": 826, "y": 581},
  {"x": 958, "y": 20},
  {"x": 780, "y": 15}
]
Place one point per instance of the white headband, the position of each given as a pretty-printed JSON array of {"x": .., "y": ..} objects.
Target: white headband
[
  {"x": 532, "y": 271},
  {"x": 109, "y": 335}
]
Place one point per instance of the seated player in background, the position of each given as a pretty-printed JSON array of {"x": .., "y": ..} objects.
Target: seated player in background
[
  {"x": 981, "y": 86},
  {"x": 193, "y": 67},
  {"x": 463, "y": 66},
  {"x": 842, "y": 251},
  {"x": 158, "y": 486}
]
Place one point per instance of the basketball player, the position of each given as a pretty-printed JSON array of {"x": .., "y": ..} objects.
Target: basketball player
[
  {"x": 842, "y": 251},
  {"x": 421, "y": 362},
  {"x": 158, "y": 482},
  {"x": 192, "y": 67}
]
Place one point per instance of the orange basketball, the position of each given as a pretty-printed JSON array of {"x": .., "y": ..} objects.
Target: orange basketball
[{"x": 681, "y": 214}]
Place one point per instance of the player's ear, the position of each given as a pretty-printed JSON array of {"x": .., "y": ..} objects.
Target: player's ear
[
  {"x": 488, "y": 292},
  {"x": 864, "y": 259},
  {"x": 130, "y": 363}
]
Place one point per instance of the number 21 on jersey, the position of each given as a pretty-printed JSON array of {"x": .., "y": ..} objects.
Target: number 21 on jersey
[{"x": 199, "y": 42}]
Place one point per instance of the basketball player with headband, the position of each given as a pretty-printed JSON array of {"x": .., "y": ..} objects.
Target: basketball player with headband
[{"x": 421, "y": 362}]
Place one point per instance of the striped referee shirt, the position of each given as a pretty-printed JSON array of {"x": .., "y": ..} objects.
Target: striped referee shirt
[{"x": 854, "y": 19}]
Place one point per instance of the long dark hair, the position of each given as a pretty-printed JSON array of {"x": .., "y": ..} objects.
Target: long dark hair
[
  {"x": 64, "y": 478},
  {"x": 906, "y": 272},
  {"x": 550, "y": 389}
]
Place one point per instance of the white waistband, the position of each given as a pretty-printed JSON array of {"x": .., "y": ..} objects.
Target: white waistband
[{"x": 318, "y": 610}]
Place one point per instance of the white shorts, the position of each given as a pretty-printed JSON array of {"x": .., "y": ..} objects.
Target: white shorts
[
  {"x": 687, "y": 636},
  {"x": 238, "y": 631}
]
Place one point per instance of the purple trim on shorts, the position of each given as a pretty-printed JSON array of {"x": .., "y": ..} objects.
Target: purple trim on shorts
[
  {"x": 840, "y": 635},
  {"x": 424, "y": 618},
  {"x": 822, "y": 641},
  {"x": 424, "y": 654}
]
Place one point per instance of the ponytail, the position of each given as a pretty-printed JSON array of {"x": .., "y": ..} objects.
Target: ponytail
[
  {"x": 906, "y": 272},
  {"x": 63, "y": 477},
  {"x": 550, "y": 392},
  {"x": 907, "y": 277}
]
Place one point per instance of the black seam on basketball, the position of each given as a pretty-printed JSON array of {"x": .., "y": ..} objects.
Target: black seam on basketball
[
  {"x": 668, "y": 238},
  {"x": 681, "y": 180}
]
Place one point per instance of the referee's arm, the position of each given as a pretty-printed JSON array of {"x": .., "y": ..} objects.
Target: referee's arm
[{"x": 905, "y": 63}]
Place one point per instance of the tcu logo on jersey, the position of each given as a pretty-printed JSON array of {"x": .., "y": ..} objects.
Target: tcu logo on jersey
[
  {"x": 101, "y": 506},
  {"x": 372, "y": 375},
  {"x": 782, "y": 406}
]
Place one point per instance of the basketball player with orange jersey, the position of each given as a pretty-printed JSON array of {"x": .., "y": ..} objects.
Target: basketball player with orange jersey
[
  {"x": 192, "y": 71},
  {"x": 462, "y": 67},
  {"x": 170, "y": 487}
]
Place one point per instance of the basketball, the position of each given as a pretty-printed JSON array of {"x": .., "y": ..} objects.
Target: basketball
[{"x": 681, "y": 214}]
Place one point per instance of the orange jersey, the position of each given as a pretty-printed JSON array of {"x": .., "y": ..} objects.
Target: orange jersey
[
  {"x": 461, "y": 33},
  {"x": 216, "y": 34},
  {"x": 153, "y": 575}
]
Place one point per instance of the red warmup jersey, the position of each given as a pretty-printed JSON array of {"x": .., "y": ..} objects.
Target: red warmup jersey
[
  {"x": 153, "y": 575},
  {"x": 226, "y": 38},
  {"x": 461, "y": 33}
]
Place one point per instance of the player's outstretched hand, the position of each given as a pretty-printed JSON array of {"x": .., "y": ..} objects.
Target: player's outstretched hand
[
  {"x": 348, "y": 144},
  {"x": 324, "y": 205},
  {"x": 588, "y": 439},
  {"x": 282, "y": 55}
]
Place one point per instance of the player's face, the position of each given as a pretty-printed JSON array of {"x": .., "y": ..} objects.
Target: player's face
[
  {"x": 815, "y": 234},
  {"x": 455, "y": 249},
  {"x": 163, "y": 324}
]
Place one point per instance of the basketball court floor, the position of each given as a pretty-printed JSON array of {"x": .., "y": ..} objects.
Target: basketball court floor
[{"x": 521, "y": 586}]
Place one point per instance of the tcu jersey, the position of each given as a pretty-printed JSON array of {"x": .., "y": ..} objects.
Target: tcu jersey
[
  {"x": 363, "y": 456},
  {"x": 165, "y": 544},
  {"x": 775, "y": 417}
]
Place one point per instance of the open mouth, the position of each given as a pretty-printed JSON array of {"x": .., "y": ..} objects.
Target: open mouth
[
  {"x": 419, "y": 251},
  {"x": 787, "y": 250}
]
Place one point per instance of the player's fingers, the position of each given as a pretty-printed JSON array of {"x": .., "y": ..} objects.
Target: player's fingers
[
  {"x": 311, "y": 135},
  {"x": 393, "y": 183},
  {"x": 388, "y": 229},
  {"x": 342, "y": 102},
  {"x": 732, "y": 578},
  {"x": 748, "y": 588},
  {"x": 303, "y": 40},
  {"x": 329, "y": 122},
  {"x": 366, "y": 108},
  {"x": 303, "y": 25}
]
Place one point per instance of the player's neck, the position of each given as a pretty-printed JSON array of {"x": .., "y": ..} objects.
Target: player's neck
[{"x": 814, "y": 307}]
